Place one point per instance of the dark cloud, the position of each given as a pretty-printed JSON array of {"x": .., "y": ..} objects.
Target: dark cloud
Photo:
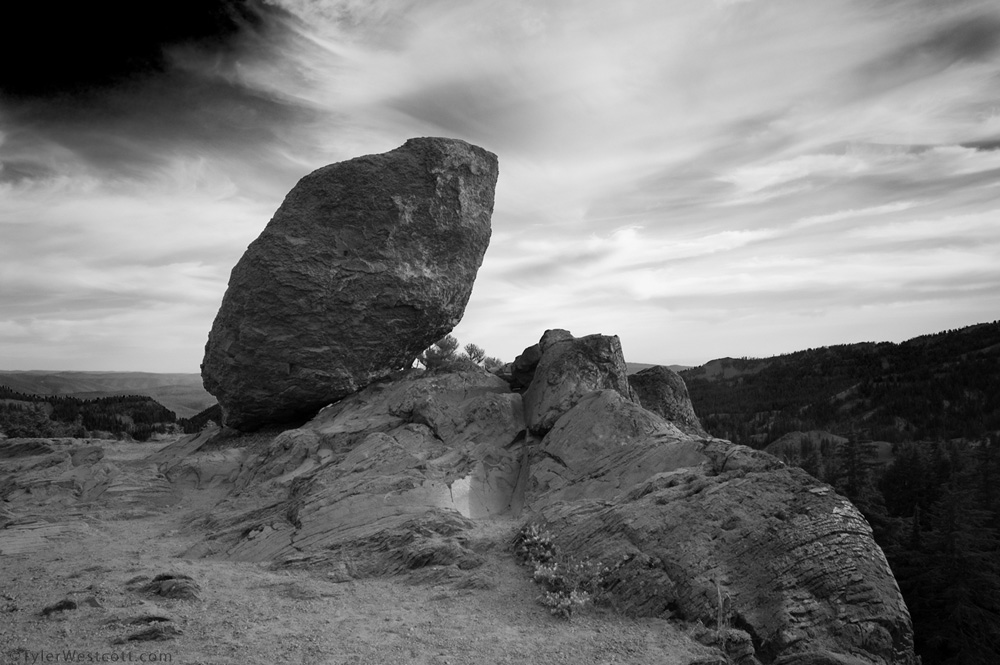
[
  {"x": 989, "y": 144},
  {"x": 972, "y": 38},
  {"x": 71, "y": 47},
  {"x": 118, "y": 87},
  {"x": 141, "y": 124},
  {"x": 18, "y": 170}
]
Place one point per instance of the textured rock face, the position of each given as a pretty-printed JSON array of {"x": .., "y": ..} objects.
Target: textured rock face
[
  {"x": 568, "y": 369},
  {"x": 602, "y": 447},
  {"x": 663, "y": 391},
  {"x": 365, "y": 264},
  {"x": 395, "y": 478},
  {"x": 522, "y": 370},
  {"x": 794, "y": 562},
  {"x": 423, "y": 455},
  {"x": 684, "y": 521}
]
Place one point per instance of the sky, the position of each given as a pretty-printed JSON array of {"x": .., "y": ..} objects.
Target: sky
[{"x": 703, "y": 178}]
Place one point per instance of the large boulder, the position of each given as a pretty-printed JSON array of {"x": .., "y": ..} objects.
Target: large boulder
[
  {"x": 663, "y": 391},
  {"x": 365, "y": 264},
  {"x": 569, "y": 368}
]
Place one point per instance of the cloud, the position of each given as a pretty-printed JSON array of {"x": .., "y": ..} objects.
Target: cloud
[{"x": 679, "y": 172}]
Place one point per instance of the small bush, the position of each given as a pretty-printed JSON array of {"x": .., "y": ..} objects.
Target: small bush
[
  {"x": 569, "y": 583},
  {"x": 563, "y": 604},
  {"x": 532, "y": 546},
  {"x": 439, "y": 354}
]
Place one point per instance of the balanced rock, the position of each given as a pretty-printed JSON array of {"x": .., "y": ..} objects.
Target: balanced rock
[
  {"x": 663, "y": 391},
  {"x": 569, "y": 368},
  {"x": 365, "y": 264}
]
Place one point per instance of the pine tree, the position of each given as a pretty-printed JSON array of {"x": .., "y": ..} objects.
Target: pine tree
[{"x": 956, "y": 609}]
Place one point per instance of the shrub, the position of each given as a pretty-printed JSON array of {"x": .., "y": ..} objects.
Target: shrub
[
  {"x": 569, "y": 583},
  {"x": 475, "y": 353},
  {"x": 492, "y": 364},
  {"x": 439, "y": 354},
  {"x": 532, "y": 546}
]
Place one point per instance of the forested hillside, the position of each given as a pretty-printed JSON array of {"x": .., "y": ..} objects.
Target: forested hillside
[
  {"x": 29, "y": 415},
  {"x": 935, "y": 387},
  {"x": 910, "y": 433},
  {"x": 183, "y": 394}
]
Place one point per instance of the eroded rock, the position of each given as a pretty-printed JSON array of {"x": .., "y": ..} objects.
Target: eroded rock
[
  {"x": 663, "y": 391},
  {"x": 386, "y": 479},
  {"x": 391, "y": 480},
  {"x": 365, "y": 264},
  {"x": 568, "y": 369},
  {"x": 799, "y": 569},
  {"x": 602, "y": 447}
]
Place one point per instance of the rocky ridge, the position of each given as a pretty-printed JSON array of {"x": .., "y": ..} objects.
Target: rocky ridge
[
  {"x": 394, "y": 478},
  {"x": 402, "y": 477}
]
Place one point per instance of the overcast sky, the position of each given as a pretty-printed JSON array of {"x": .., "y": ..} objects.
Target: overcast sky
[{"x": 703, "y": 178}]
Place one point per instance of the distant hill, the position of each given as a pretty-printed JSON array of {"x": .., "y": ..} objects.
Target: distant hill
[
  {"x": 638, "y": 367},
  {"x": 32, "y": 415},
  {"x": 181, "y": 393},
  {"x": 935, "y": 387}
]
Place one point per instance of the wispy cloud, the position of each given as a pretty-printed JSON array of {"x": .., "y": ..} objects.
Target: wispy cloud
[{"x": 701, "y": 178}]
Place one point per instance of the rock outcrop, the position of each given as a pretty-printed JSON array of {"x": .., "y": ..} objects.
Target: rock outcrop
[
  {"x": 569, "y": 368},
  {"x": 395, "y": 478},
  {"x": 522, "y": 370},
  {"x": 386, "y": 479},
  {"x": 365, "y": 264},
  {"x": 786, "y": 558},
  {"x": 602, "y": 447},
  {"x": 663, "y": 391}
]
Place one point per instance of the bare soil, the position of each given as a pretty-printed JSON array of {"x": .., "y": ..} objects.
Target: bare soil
[{"x": 99, "y": 555}]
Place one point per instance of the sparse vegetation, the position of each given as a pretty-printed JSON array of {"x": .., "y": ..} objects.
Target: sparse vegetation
[
  {"x": 443, "y": 355},
  {"x": 569, "y": 583}
]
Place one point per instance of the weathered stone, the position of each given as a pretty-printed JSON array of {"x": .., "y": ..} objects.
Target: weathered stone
[
  {"x": 62, "y": 606},
  {"x": 522, "y": 370},
  {"x": 13, "y": 448},
  {"x": 168, "y": 585},
  {"x": 602, "y": 447},
  {"x": 568, "y": 369},
  {"x": 365, "y": 264},
  {"x": 81, "y": 455},
  {"x": 663, "y": 391},
  {"x": 393, "y": 478},
  {"x": 155, "y": 633},
  {"x": 801, "y": 570},
  {"x": 383, "y": 480}
]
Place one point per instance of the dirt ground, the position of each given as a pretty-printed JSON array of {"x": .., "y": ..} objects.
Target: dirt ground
[{"x": 98, "y": 555}]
